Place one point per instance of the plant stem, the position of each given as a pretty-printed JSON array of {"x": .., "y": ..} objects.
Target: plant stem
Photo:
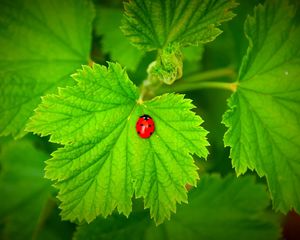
[
  {"x": 46, "y": 211},
  {"x": 192, "y": 82},
  {"x": 212, "y": 74},
  {"x": 185, "y": 86}
]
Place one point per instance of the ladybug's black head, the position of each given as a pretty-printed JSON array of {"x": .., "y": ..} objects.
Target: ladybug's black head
[{"x": 146, "y": 117}]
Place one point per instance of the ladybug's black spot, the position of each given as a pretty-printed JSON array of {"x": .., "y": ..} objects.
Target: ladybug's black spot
[
  {"x": 141, "y": 124},
  {"x": 149, "y": 125}
]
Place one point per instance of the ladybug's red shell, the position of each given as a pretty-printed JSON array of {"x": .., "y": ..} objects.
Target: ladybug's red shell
[{"x": 145, "y": 126}]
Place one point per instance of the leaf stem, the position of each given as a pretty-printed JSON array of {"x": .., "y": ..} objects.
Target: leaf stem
[
  {"x": 150, "y": 88},
  {"x": 212, "y": 74},
  {"x": 185, "y": 86},
  {"x": 46, "y": 211}
]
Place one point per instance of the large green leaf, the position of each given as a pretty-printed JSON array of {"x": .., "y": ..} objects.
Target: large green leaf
[
  {"x": 154, "y": 24},
  {"x": 107, "y": 24},
  {"x": 263, "y": 120},
  {"x": 104, "y": 161},
  {"x": 227, "y": 208},
  {"x": 24, "y": 191},
  {"x": 42, "y": 43}
]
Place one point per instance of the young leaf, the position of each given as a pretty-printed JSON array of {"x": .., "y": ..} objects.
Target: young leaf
[
  {"x": 168, "y": 67},
  {"x": 154, "y": 24},
  {"x": 104, "y": 161},
  {"x": 42, "y": 43},
  {"x": 264, "y": 113},
  {"x": 227, "y": 208},
  {"x": 24, "y": 191}
]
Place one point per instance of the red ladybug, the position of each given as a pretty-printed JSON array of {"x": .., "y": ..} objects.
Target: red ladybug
[{"x": 145, "y": 126}]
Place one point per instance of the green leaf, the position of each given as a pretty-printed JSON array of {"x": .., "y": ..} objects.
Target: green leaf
[
  {"x": 107, "y": 23},
  {"x": 104, "y": 161},
  {"x": 227, "y": 208},
  {"x": 151, "y": 25},
  {"x": 263, "y": 119},
  {"x": 42, "y": 43},
  {"x": 24, "y": 191}
]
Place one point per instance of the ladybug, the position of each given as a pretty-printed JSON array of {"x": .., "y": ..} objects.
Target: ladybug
[{"x": 145, "y": 126}]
